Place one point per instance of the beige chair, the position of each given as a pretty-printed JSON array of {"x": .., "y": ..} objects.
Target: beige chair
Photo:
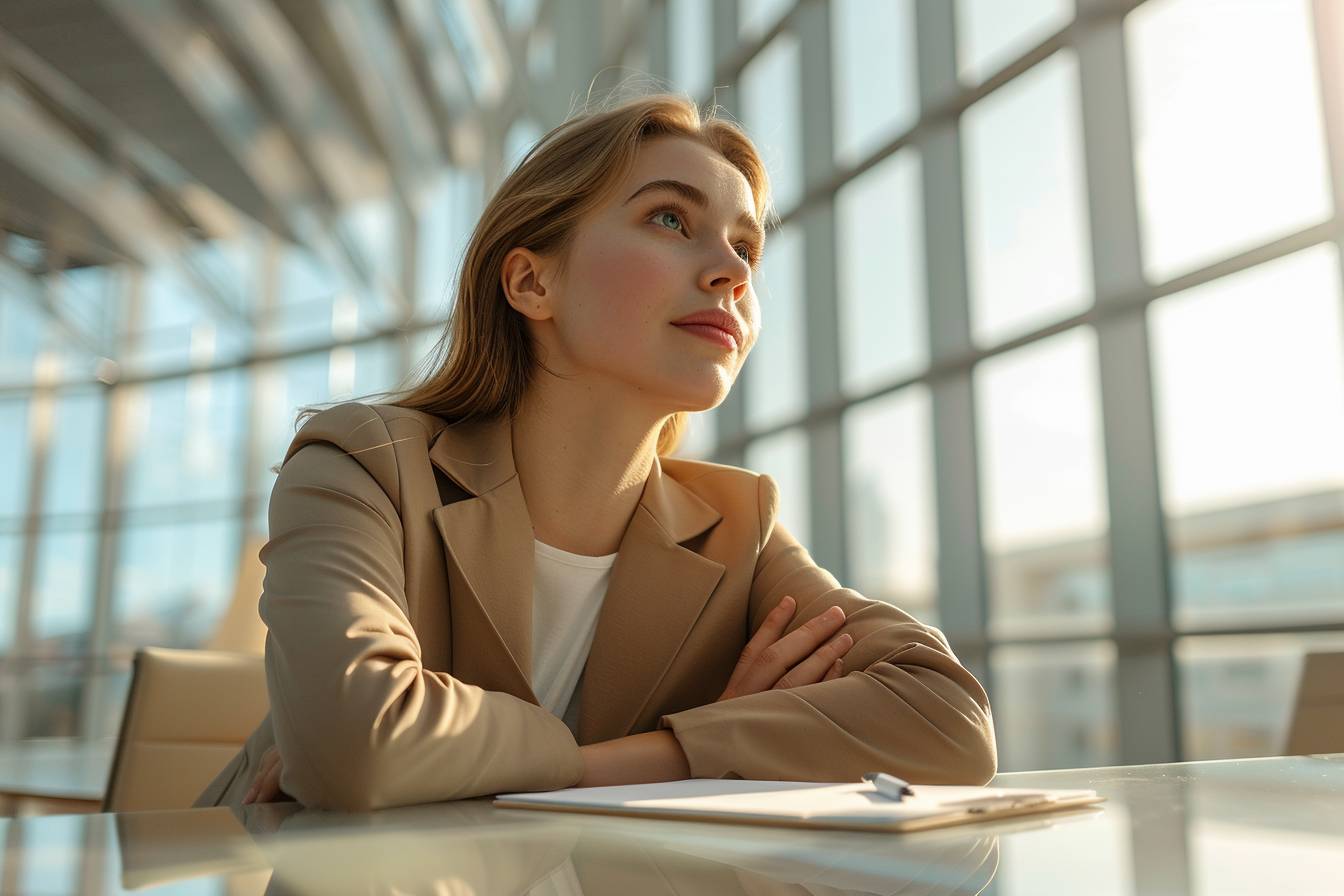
[
  {"x": 1318, "y": 713},
  {"x": 187, "y": 714}
]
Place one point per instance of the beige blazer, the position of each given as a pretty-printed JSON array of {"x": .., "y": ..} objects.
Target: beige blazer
[{"x": 399, "y": 632}]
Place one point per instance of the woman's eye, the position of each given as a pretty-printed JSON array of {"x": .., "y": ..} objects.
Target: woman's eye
[{"x": 666, "y": 214}]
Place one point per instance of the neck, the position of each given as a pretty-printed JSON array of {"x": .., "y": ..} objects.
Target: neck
[{"x": 583, "y": 454}]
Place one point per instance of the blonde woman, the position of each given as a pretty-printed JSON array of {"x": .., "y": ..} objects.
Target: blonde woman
[{"x": 501, "y": 581}]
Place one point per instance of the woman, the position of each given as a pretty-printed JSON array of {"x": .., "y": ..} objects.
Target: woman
[{"x": 502, "y": 582}]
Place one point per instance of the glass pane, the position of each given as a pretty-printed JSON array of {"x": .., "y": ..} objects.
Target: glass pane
[
  {"x": 1228, "y": 155},
  {"x": 1029, "y": 260},
  {"x": 173, "y": 582},
  {"x": 784, "y": 456},
  {"x": 691, "y": 23},
  {"x": 185, "y": 440},
  {"x": 876, "y": 88},
  {"x": 882, "y": 303},
  {"x": 306, "y": 291},
  {"x": 521, "y": 137},
  {"x": 1251, "y": 441},
  {"x": 286, "y": 386},
  {"x": 756, "y": 16},
  {"x": 1238, "y": 693},
  {"x": 776, "y": 369},
  {"x": 446, "y": 222},
  {"x": 1054, "y": 706},
  {"x": 891, "y": 533},
  {"x": 63, "y": 591},
  {"x": 15, "y": 456},
  {"x": 771, "y": 115},
  {"x": 54, "y": 696},
  {"x": 359, "y": 371},
  {"x": 1043, "y": 499},
  {"x": 177, "y": 329},
  {"x": 22, "y": 327},
  {"x": 992, "y": 33},
  {"x": 75, "y": 463}
]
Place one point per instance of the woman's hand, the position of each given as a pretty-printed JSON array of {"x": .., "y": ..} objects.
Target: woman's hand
[
  {"x": 266, "y": 783},
  {"x": 768, "y": 661}
]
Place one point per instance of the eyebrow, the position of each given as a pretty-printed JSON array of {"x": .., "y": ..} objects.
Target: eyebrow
[{"x": 697, "y": 197}]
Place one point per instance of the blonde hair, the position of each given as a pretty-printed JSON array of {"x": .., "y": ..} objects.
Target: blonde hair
[{"x": 482, "y": 363}]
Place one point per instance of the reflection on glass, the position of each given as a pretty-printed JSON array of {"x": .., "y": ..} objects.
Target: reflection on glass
[
  {"x": 1029, "y": 258},
  {"x": 75, "y": 458},
  {"x": 185, "y": 439},
  {"x": 173, "y": 581},
  {"x": 784, "y": 457},
  {"x": 772, "y": 117},
  {"x": 880, "y": 244},
  {"x": 691, "y": 23},
  {"x": 63, "y": 591},
  {"x": 1228, "y": 154},
  {"x": 776, "y": 369},
  {"x": 1054, "y": 705},
  {"x": 1249, "y": 391},
  {"x": 1043, "y": 497},
  {"x": 1237, "y": 692},
  {"x": 1092, "y": 856},
  {"x": 876, "y": 88},
  {"x": 891, "y": 534},
  {"x": 15, "y": 456},
  {"x": 991, "y": 33}
]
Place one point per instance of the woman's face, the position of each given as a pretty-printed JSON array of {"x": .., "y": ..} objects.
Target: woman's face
[{"x": 648, "y": 257}]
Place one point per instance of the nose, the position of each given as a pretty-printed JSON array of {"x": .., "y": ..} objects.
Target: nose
[{"x": 727, "y": 271}]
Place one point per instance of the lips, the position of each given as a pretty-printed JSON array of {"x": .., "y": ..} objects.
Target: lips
[{"x": 720, "y": 320}]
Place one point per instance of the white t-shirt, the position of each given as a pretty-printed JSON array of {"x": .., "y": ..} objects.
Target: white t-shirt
[{"x": 567, "y": 593}]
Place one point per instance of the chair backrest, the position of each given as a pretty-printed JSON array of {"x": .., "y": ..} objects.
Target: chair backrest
[
  {"x": 1318, "y": 713},
  {"x": 187, "y": 714}
]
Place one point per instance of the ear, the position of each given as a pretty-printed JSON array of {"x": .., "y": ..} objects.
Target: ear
[{"x": 524, "y": 276}]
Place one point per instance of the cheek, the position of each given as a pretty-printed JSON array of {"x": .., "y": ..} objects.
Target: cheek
[{"x": 623, "y": 292}]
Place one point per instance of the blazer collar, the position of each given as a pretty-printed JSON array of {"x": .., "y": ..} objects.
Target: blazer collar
[{"x": 656, "y": 590}]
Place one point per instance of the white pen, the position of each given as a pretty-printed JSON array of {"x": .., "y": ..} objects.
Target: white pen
[{"x": 889, "y": 786}]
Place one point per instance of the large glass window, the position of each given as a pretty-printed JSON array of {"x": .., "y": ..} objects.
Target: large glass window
[
  {"x": 770, "y": 111},
  {"x": 875, "y": 78},
  {"x": 75, "y": 460},
  {"x": 1229, "y": 154},
  {"x": 15, "y": 456},
  {"x": 776, "y": 369},
  {"x": 1249, "y": 392},
  {"x": 992, "y": 33},
  {"x": 890, "y": 532},
  {"x": 1029, "y": 259},
  {"x": 1043, "y": 497},
  {"x": 880, "y": 262},
  {"x": 691, "y": 23}
]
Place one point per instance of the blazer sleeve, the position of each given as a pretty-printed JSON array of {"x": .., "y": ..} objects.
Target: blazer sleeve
[
  {"x": 904, "y": 704},
  {"x": 359, "y": 722}
]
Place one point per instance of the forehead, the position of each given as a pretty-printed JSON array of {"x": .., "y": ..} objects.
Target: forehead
[{"x": 678, "y": 158}]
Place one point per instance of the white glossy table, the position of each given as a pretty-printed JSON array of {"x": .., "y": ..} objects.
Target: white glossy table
[{"x": 1246, "y": 826}]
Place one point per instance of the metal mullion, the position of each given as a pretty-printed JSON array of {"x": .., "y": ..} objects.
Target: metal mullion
[
  {"x": 962, "y": 598},
  {"x": 825, "y": 448},
  {"x": 730, "y": 416},
  {"x": 117, "y": 427},
  {"x": 1145, "y": 675}
]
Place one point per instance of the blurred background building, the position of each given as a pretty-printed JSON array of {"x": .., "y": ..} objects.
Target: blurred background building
[{"x": 1053, "y": 353}]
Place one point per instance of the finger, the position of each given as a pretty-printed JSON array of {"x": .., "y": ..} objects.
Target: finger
[
  {"x": 269, "y": 785},
  {"x": 777, "y": 659},
  {"x": 773, "y": 626},
  {"x": 836, "y": 671},
  {"x": 815, "y": 667}
]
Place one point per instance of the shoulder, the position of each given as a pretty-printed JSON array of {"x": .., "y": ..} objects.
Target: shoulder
[
  {"x": 729, "y": 490},
  {"x": 377, "y": 437}
]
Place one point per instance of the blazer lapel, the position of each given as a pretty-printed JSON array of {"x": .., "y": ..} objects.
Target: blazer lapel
[
  {"x": 489, "y": 556},
  {"x": 656, "y": 592}
]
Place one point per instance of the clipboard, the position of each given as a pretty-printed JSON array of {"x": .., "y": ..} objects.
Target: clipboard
[{"x": 802, "y": 804}]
